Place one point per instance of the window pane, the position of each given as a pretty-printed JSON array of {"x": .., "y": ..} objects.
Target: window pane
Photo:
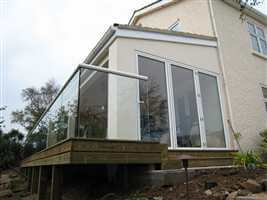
[
  {"x": 251, "y": 28},
  {"x": 260, "y": 33},
  {"x": 263, "y": 46},
  {"x": 175, "y": 27},
  {"x": 186, "y": 114},
  {"x": 265, "y": 103},
  {"x": 154, "y": 102},
  {"x": 212, "y": 111},
  {"x": 93, "y": 104},
  {"x": 264, "y": 91},
  {"x": 255, "y": 44}
]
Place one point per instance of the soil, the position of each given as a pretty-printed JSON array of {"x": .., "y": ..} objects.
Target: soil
[{"x": 227, "y": 182}]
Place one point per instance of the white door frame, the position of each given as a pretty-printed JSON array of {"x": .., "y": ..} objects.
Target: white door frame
[{"x": 171, "y": 109}]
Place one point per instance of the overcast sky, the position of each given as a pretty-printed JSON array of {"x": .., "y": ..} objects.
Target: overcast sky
[{"x": 44, "y": 39}]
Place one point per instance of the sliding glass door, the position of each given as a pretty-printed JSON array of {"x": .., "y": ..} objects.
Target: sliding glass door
[{"x": 181, "y": 107}]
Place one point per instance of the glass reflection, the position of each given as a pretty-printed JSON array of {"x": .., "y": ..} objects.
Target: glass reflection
[
  {"x": 154, "y": 119},
  {"x": 212, "y": 111},
  {"x": 93, "y": 105},
  {"x": 186, "y": 113}
]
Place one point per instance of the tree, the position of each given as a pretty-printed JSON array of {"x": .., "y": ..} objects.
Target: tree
[
  {"x": 1, "y": 119},
  {"x": 36, "y": 101},
  {"x": 11, "y": 148},
  {"x": 247, "y": 3}
]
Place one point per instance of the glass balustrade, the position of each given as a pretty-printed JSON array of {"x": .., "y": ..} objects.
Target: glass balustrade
[{"x": 94, "y": 104}]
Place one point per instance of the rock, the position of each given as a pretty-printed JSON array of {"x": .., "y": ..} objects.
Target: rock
[
  {"x": 25, "y": 194},
  {"x": 235, "y": 187},
  {"x": 32, "y": 197},
  {"x": 210, "y": 184},
  {"x": 13, "y": 175},
  {"x": 264, "y": 184},
  {"x": 219, "y": 195},
  {"x": 108, "y": 196},
  {"x": 252, "y": 186},
  {"x": 19, "y": 188},
  {"x": 5, "y": 179},
  {"x": 243, "y": 193},
  {"x": 5, "y": 193},
  {"x": 157, "y": 198},
  {"x": 232, "y": 196},
  {"x": 182, "y": 195},
  {"x": 208, "y": 192},
  {"x": 248, "y": 198}
]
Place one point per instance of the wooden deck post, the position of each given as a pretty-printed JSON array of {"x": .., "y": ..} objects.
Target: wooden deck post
[
  {"x": 56, "y": 183},
  {"x": 35, "y": 178},
  {"x": 39, "y": 183},
  {"x": 125, "y": 177},
  {"x": 29, "y": 178}
]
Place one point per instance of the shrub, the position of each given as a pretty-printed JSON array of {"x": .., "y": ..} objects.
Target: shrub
[
  {"x": 248, "y": 160},
  {"x": 263, "y": 145}
]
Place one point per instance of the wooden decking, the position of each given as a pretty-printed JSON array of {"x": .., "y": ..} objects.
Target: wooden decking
[{"x": 99, "y": 151}]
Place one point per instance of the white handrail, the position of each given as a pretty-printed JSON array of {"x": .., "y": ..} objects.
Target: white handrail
[{"x": 106, "y": 70}]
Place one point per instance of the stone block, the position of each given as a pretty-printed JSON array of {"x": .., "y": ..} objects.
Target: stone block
[
  {"x": 5, "y": 193},
  {"x": 264, "y": 184},
  {"x": 252, "y": 186},
  {"x": 232, "y": 196},
  {"x": 247, "y": 198}
]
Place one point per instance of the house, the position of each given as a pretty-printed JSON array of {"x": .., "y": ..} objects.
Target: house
[
  {"x": 180, "y": 78},
  {"x": 241, "y": 56}
]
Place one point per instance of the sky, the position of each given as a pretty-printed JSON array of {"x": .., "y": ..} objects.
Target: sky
[{"x": 41, "y": 40}]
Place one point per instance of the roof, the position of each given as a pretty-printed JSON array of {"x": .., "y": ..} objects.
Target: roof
[
  {"x": 138, "y": 32},
  {"x": 159, "y": 4},
  {"x": 151, "y": 7}
]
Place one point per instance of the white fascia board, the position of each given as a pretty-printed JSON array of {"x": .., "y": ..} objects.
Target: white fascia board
[
  {"x": 148, "y": 9},
  {"x": 163, "y": 37}
]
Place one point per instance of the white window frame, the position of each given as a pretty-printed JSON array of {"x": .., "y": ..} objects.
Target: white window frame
[
  {"x": 172, "y": 123},
  {"x": 264, "y": 99},
  {"x": 258, "y": 36}
]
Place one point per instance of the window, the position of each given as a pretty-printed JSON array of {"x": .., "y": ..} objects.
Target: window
[
  {"x": 175, "y": 26},
  {"x": 153, "y": 101},
  {"x": 211, "y": 111},
  {"x": 186, "y": 115},
  {"x": 181, "y": 107},
  {"x": 264, "y": 92},
  {"x": 258, "y": 39}
]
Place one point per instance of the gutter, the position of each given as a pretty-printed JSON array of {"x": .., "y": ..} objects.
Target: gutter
[
  {"x": 101, "y": 43},
  {"x": 151, "y": 4},
  {"x": 150, "y": 8}
]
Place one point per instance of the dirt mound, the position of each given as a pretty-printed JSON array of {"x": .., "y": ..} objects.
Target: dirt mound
[{"x": 13, "y": 186}]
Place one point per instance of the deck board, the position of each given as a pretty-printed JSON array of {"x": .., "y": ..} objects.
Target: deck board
[
  {"x": 98, "y": 151},
  {"x": 101, "y": 151}
]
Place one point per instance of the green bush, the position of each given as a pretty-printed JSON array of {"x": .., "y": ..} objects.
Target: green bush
[
  {"x": 10, "y": 148},
  {"x": 263, "y": 145},
  {"x": 248, "y": 160}
]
